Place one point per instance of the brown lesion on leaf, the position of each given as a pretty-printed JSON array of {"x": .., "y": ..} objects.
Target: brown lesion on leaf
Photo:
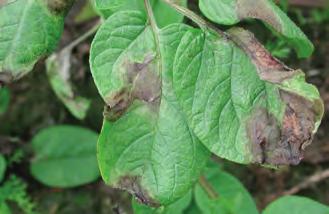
[
  {"x": 132, "y": 184},
  {"x": 142, "y": 83},
  {"x": 59, "y": 6},
  {"x": 258, "y": 9},
  {"x": 268, "y": 67},
  {"x": 283, "y": 143}
]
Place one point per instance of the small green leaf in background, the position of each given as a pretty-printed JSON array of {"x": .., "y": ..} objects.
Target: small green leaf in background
[
  {"x": 4, "y": 100},
  {"x": 233, "y": 11},
  {"x": 177, "y": 207},
  {"x": 164, "y": 14},
  {"x": 296, "y": 205},
  {"x": 3, "y": 166},
  {"x": 58, "y": 70},
  {"x": 65, "y": 156},
  {"x": 231, "y": 196},
  {"x": 29, "y": 29}
]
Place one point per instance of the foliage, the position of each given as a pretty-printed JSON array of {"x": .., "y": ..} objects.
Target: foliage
[
  {"x": 14, "y": 190},
  {"x": 174, "y": 94},
  {"x": 64, "y": 156}
]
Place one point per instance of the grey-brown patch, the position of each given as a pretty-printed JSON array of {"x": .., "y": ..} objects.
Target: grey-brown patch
[
  {"x": 59, "y": 6},
  {"x": 132, "y": 185},
  {"x": 281, "y": 144},
  {"x": 117, "y": 104},
  {"x": 5, "y": 78},
  {"x": 268, "y": 67},
  {"x": 258, "y": 9},
  {"x": 143, "y": 83}
]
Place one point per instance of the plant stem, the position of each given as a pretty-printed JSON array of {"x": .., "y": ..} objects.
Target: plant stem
[
  {"x": 82, "y": 37},
  {"x": 208, "y": 188},
  {"x": 202, "y": 23},
  {"x": 155, "y": 31}
]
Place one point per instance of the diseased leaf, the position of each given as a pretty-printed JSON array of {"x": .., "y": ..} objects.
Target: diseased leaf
[
  {"x": 231, "y": 196},
  {"x": 58, "y": 70},
  {"x": 146, "y": 146},
  {"x": 163, "y": 13},
  {"x": 29, "y": 29},
  {"x": 177, "y": 207},
  {"x": 230, "y": 12},
  {"x": 295, "y": 205},
  {"x": 242, "y": 103},
  {"x": 3, "y": 166},
  {"x": 65, "y": 156}
]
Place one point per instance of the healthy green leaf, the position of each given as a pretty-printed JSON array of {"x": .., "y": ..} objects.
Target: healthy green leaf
[
  {"x": 4, "y": 209},
  {"x": 242, "y": 103},
  {"x": 58, "y": 70},
  {"x": 296, "y": 205},
  {"x": 229, "y": 12},
  {"x": 145, "y": 146},
  {"x": 232, "y": 197},
  {"x": 163, "y": 13},
  {"x": 29, "y": 29},
  {"x": 177, "y": 207},
  {"x": 3, "y": 166},
  {"x": 4, "y": 100},
  {"x": 65, "y": 156}
]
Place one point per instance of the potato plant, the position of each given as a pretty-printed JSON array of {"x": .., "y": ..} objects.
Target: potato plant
[{"x": 174, "y": 94}]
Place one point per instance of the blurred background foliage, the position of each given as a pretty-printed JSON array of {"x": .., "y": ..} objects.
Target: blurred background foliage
[{"x": 29, "y": 106}]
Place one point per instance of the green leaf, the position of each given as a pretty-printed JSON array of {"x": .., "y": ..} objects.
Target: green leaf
[
  {"x": 242, "y": 103},
  {"x": 295, "y": 205},
  {"x": 29, "y": 29},
  {"x": 58, "y": 70},
  {"x": 177, "y": 207},
  {"x": 230, "y": 12},
  {"x": 232, "y": 197},
  {"x": 145, "y": 146},
  {"x": 3, "y": 166},
  {"x": 163, "y": 13},
  {"x": 65, "y": 156},
  {"x": 4, "y": 100},
  {"x": 4, "y": 209}
]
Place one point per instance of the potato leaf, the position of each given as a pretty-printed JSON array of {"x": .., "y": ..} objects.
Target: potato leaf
[
  {"x": 59, "y": 72},
  {"x": 242, "y": 103},
  {"x": 300, "y": 205},
  {"x": 229, "y": 12},
  {"x": 146, "y": 145},
  {"x": 163, "y": 13},
  {"x": 231, "y": 196},
  {"x": 29, "y": 29},
  {"x": 65, "y": 156}
]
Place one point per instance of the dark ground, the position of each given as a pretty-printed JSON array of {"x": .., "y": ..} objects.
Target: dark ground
[{"x": 34, "y": 106}]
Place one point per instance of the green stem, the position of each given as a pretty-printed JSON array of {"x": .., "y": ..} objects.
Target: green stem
[
  {"x": 202, "y": 23},
  {"x": 82, "y": 38},
  {"x": 208, "y": 188},
  {"x": 155, "y": 31}
]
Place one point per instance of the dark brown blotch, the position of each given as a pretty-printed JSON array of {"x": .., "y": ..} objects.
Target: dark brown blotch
[
  {"x": 133, "y": 185},
  {"x": 282, "y": 144},
  {"x": 142, "y": 83}
]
